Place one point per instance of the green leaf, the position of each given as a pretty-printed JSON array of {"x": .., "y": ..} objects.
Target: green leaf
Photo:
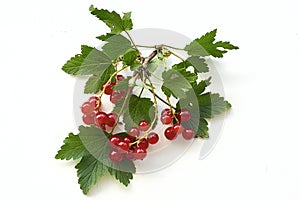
[
  {"x": 125, "y": 174},
  {"x": 105, "y": 36},
  {"x": 139, "y": 109},
  {"x": 95, "y": 82},
  {"x": 182, "y": 69},
  {"x": 113, "y": 20},
  {"x": 206, "y": 46},
  {"x": 122, "y": 85},
  {"x": 130, "y": 56},
  {"x": 153, "y": 65},
  {"x": 73, "y": 65},
  {"x": 89, "y": 171},
  {"x": 116, "y": 46},
  {"x": 72, "y": 148},
  {"x": 175, "y": 83},
  {"x": 95, "y": 62},
  {"x": 212, "y": 105},
  {"x": 202, "y": 131},
  {"x": 198, "y": 64}
]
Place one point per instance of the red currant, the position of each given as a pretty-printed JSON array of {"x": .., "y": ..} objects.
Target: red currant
[
  {"x": 143, "y": 144},
  {"x": 111, "y": 119},
  {"x": 134, "y": 132},
  {"x": 120, "y": 77},
  {"x": 101, "y": 118},
  {"x": 94, "y": 98},
  {"x": 87, "y": 108},
  {"x": 115, "y": 97},
  {"x": 166, "y": 119},
  {"x": 166, "y": 111},
  {"x": 89, "y": 119},
  {"x": 153, "y": 138},
  {"x": 102, "y": 126},
  {"x": 115, "y": 156},
  {"x": 178, "y": 128},
  {"x": 184, "y": 115},
  {"x": 108, "y": 90},
  {"x": 114, "y": 141},
  {"x": 144, "y": 125},
  {"x": 170, "y": 133},
  {"x": 139, "y": 153},
  {"x": 123, "y": 146},
  {"x": 128, "y": 139},
  {"x": 129, "y": 155},
  {"x": 188, "y": 134}
]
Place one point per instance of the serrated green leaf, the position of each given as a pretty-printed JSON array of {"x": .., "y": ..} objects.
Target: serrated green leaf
[
  {"x": 116, "y": 46},
  {"x": 206, "y": 46},
  {"x": 72, "y": 148},
  {"x": 125, "y": 175},
  {"x": 105, "y": 36},
  {"x": 89, "y": 171},
  {"x": 73, "y": 65},
  {"x": 198, "y": 63},
  {"x": 202, "y": 131},
  {"x": 95, "y": 62},
  {"x": 139, "y": 109},
  {"x": 212, "y": 105},
  {"x": 200, "y": 87},
  {"x": 175, "y": 83},
  {"x": 113, "y": 20},
  {"x": 182, "y": 69}
]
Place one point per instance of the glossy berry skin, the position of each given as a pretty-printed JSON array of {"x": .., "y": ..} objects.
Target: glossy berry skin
[
  {"x": 115, "y": 156},
  {"x": 128, "y": 139},
  {"x": 139, "y": 153},
  {"x": 114, "y": 141},
  {"x": 108, "y": 90},
  {"x": 129, "y": 155},
  {"x": 178, "y": 128},
  {"x": 111, "y": 119},
  {"x": 188, "y": 134},
  {"x": 143, "y": 144},
  {"x": 115, "y": 97},
  {"x": 170, "y": 133},
  {"x": 120, "y": 77},
  {"x": 153, "y": 138},
  {"x": 93, "y": 98},
  {"x": 89, "y": 119},
  {"x": 134, "y": 132},
  {"x": 87, "y": 108},
  {"x": 184, "y": 115},
  {"x": 123, "y": 146},
  {"x": 144, "y": 125},
  {"x": 101, "y": 118},
  {"x": 166, "y": 119}
]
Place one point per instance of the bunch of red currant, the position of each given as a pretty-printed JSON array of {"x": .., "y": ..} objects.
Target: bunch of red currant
[
  {"x": 114, "y": 95},
  {"x": 171, "y": 133},
  {"x": 131, "y": 146}
]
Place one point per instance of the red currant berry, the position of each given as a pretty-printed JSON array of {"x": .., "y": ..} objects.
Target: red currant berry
[
  {"x": 120, "y": 77},
  {"x": 188, "y": 134},
  {"x": 94, "y": 98},
  {"x": 123, "y": 146},
  {"x": 170, "y": 133},
  {"x": 129, "y": 155},
  {"x": 184, "y": 115},
  {"x": 108, "y": 90},
  {"x": 143, "y": 144},
  {"x": 87, "y": 108},
  {"x": 111, "y": 119},
  {"x": 115, "y": 156},
  {"x": 139, "y": 153},
  {"x": 153, "y": 138},
  {"x": 101, "y": 118},
  {"x": 144, "y": 125},
  {"x": 166, "y": 111},
  {"x": 114, "y": 141},
  {"x": 134, "y": 132},
  {"x": 166, "y": 119},
  {"x": 178, "y": 128},
  {"x": 102, "y": 126},
  {"x": 128, "y": 139},
  {"x": 115, "y": 97},
  {"x": 89, "y": 119}
]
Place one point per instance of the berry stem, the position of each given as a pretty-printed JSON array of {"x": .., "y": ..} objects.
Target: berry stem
[
  {"x": 158, "y": 97},
  {"x": 174, "y": 54},
  {"x": 172, "y": 110},
  {"x": 130, "y": 38}
]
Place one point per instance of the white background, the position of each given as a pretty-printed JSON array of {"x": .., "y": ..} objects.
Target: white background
[{"x": 257, "y": 156}]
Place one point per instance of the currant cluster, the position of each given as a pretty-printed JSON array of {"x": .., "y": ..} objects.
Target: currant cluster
[
  {"x": 92, "y": 114},
  {"x": 171, "y": 133},
  {"x": 114, "y": 95},
  {"x": 131, "y": 146}
]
